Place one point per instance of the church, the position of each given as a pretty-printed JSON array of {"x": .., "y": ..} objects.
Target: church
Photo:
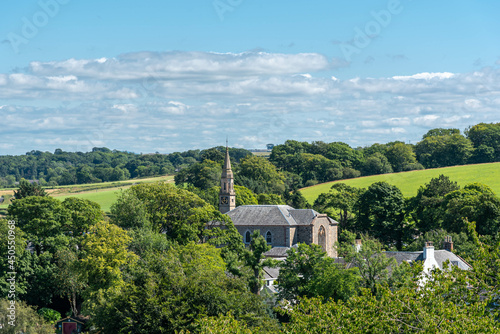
[{"x": 281, "y": 225}]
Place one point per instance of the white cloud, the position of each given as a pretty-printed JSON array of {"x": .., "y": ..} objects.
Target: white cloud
[
  {"x": 425, "y": 76},
  {"x": 259, "y": 97}
]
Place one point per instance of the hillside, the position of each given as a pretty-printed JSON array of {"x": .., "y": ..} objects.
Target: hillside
[
  {"x": 409, "y": 182},
  {"x": 102, "y": 193}
]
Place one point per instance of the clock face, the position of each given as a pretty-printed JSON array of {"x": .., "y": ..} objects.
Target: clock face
[{"x": 224, "y": 200}]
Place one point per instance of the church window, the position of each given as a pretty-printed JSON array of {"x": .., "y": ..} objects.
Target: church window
[
  {"x": 322, "y": 238},
  {"x": 269, "y": 237},
  {"x": 248, "y": 237},
  {"x": 224, "y": 186}
]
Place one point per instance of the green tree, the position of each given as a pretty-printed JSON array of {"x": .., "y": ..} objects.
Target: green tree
[
  {"x": 370, "y": 260},
  {"x": 259, "y": 175},
  {"x": 202, "y": 175},
  {"x": 474, "y": 202},
  {"x": 172, "y": 289},
  {"x": 444, "y": 150},
  {"x": 376, "y": 164},
  {"x": 339, "y": 203},
  {"x": 381, "y": 213},
  {"x": 27, "y": 188},
  {"x": 401, "y": 157},
  {"x": 485, "y": 137},
  {"x": 254, "y": 259},
  {"x": 427, "y": 204},
  {"x": 26, "y": 319},
  {"x": 309, "y": 272}
]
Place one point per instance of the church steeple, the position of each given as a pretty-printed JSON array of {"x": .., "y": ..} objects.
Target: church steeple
[{"x": 227, "y": 196}]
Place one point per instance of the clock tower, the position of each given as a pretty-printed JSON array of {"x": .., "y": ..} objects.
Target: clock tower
[{"x": 227, "y": 196}]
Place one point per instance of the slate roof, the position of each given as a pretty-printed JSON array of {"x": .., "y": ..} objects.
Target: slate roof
[
  {"x": 271, "y": 215},
  {"x": 277, "y": 252},
  {"x": 271, "y": 273},
  {"x": 440, "y": 255}
]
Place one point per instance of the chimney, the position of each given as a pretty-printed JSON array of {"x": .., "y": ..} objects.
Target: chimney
[
  {"x": 428, "y": 250},
  {"x": 448, "y": 244},
  {"x": 357, "y": 245}
]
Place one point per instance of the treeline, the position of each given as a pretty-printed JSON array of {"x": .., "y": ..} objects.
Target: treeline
[
  {"x": 298, "y": 164},
  {"x": 99, "y": 165},
  {"x": 319, "y": 162}
]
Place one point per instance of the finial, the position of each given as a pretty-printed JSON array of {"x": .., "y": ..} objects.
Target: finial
[{"x": 226, "y": 141}]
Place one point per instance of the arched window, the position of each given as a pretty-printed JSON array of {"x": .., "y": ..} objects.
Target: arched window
[
  {"x": 322, "y": 238},
  {"x": 269, "y": 237},
  {"x": 248, "y": 237}
]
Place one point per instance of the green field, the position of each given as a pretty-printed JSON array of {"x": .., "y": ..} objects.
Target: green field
[
  {"x": 103, "y": 193},
  {"x": 409, "y": 182}
]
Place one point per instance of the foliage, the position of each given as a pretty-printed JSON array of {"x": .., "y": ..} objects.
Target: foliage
[
  {"x": 50, "y": 315},
  {"x": 202, "y": 175},
  {"x": 26, "y": 319},
  {"x": 28, "y": 189},
  {"x": 376, "y": 163},
  {"x": 380, "y": 213},
  {"x": 167, "y": 291},
  {"x": 370, "y": 260},
  {"x": 486, "y": 140},
  {"x": 104, "y": 253},
  {"x": 444, "y": 150},
  {"x": 178, "y": 213},
  {"x": 309, "y": 272},
  {"x": 339, "y": 203},
  {"x": 427, "y": 204},
  {"x": 259, "y": 175},
  {"x": 410, "y": 309},
  {"x": 253, "y": 258},
  {"x": 401, "y": 157}
]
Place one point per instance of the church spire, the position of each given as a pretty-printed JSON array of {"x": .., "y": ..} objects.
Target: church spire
[{"x": 227, "y": 196}]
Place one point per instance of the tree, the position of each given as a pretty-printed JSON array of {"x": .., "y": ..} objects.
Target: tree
[
  {"x": 401, "y": 157},
  {"x": 173, "y": 289},
  {"x": 26, "y": 319},
  {"x": 254, "y": 259},
  {"x": 381, "y": 213},
  {"x": 444, "y": 150},
  {"x": 259, "y": 175},
  {"x": 83, "y": 214},
  {"x": 474, "y": 202},
  {"x": 427, "y": 204},
  {"x": 178, "y": 213},
  {"x": 70, "y": 280},
  {"x": 309, "y": 272},
  {"x": 28, "y": 189},
  {"x": 339, "y": 202},
  {"x": 376, "y": 164},
  {"x": 202, "y": 175},
  {"x": 486, "y": 137},
  {"x": 370, "y": 260}
]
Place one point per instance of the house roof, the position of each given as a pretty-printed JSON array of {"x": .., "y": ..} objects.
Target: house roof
[
  {"x": 440, "y": 255},
  {"x": 271, "y": 273},
  {"x": 272, "y": 215}
]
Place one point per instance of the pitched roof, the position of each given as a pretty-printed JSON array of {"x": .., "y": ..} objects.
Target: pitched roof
[
  {"x": 262, "y": 215},
  {"x": 271, "y": 273},
  {"x": 266, "y": 215},
  {"x": 440, "y": 255}
]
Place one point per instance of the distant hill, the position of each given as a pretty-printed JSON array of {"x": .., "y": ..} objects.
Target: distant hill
[{"x": 409, "y": 182}]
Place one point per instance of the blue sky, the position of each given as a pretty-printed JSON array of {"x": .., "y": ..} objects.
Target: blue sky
[{"x": 166, "y": 76}]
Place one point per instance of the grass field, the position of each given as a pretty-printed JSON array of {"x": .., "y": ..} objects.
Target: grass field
[
  {"x": 409, "y": 182},
  {"x": 103, "y": 193}
]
